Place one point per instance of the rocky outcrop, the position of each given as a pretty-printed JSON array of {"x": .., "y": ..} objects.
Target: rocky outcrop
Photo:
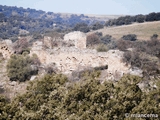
[
  {"x": 6, "y": 48},
  {"x": 77, "y": 38},
  {"x": 47, "y": 41}
]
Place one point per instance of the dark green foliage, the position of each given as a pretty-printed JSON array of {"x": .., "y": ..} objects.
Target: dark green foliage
[
  {"x": 2, "y": 17},
  {"x": 102, "y": 43},
  {"x": 100, "y": 34},
  {"x": 131, "y": 37},
  {"x": 54, "y": 97},
  {"x": 153, "y": 16},
  {"x": 97, "y": 26},
  {"x": 145, "y": 55},
  {"x": 154, "y": 37},
  {"x": 149, "y": 64},
  {"x": 106, "y": 39},
  {"x": 140, "y": 18},
  {"x": 125, "y": 20},
  {"x": 83, "y": 27},
  {"x": 80, "y": 74},
  {"x": 14, "y": 19},
  {"x": 19, "y": 68}
]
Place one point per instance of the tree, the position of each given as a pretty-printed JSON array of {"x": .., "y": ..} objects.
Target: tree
[
  {"x": 83, "y": 27},
  {"x": 140, "y": 18},
  {"x": 151, "y": 17},
  {"x": 97, "y": 26}
]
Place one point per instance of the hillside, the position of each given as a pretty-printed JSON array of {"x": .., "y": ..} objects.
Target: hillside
[
  {"x": 16, "y": 21},
  {"x": 143, "y": 30}
]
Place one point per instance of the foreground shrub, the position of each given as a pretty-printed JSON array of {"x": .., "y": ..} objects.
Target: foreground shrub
[
  {"x": 81, "y": 74},
  {"x": 19, "y": 68},
  {"x": 55, "y": 98}
]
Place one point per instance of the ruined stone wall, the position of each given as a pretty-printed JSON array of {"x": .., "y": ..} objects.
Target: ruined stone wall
[
  {"x": 6, "y": 48},
  {"x": 77, "y": 38},
  {"x": 69, "y": 59}
]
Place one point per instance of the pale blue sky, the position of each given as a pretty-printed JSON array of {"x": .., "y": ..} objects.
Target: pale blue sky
[{"x": 112, "y": 7}]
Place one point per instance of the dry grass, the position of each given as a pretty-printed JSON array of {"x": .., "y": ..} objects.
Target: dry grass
[
  {"x": 95, "y": 16},
  {"x": 143, "y": 30},
  {"x": 103, "y": 17}
]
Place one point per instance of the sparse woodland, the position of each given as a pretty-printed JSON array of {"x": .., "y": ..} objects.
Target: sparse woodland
[{"x": 57, "y": 97}]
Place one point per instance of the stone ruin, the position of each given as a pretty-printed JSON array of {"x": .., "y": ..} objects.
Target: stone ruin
[
  {"x": 6, "y": 48},
  {"x": 47, "y": 42},
  {"x": 51, "y": 42},
  {"x": 77, "y": 38},
  {"x": 78, "y": 57}
]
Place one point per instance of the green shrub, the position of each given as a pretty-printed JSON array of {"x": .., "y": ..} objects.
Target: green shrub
[
  {"x": 19, "y": 68},
  {"x": 131, "y": 37},
  {"x": 55, "y": 98},
  {"x": 102, "y": 48}
]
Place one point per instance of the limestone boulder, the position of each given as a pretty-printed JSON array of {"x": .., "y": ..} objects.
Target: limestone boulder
[
  {"x": 47, "y": 42},
  {"x": 77, "y": 38}
]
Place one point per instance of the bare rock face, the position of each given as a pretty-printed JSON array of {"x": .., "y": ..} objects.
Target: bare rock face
[
  {"x": 136, "y": 71},
  {"x": 77, "y": 38},
  {"x": 37, "y": 46}
]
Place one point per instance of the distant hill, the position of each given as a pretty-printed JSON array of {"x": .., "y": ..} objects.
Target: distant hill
[
  {"x": 143, "y": 30},
  {"x": 15, "y": 21}
]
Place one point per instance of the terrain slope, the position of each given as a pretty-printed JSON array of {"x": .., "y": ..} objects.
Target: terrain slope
[{"x": 143, "y": 30}]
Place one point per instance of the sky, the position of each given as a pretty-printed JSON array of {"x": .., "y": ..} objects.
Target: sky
[{"x": 101, "y": 7}]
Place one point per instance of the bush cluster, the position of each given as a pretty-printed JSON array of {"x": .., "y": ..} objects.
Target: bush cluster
[
  {"x": 125, "y": 20},
  {"x": 54, "y": 97},
  {"x": 102, "y": 43},
  {"x": 145, "y": 55},
  {"x": 131, "y": 37},
  {"x": 20, "y": 67}
]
